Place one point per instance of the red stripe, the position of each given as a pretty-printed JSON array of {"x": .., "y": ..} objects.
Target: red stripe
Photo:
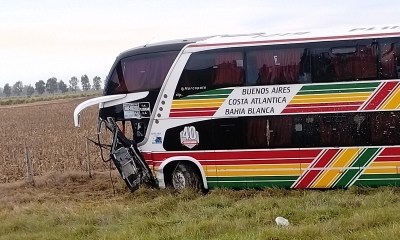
[
  {"x": 194, "y": 109},
  {"x": 268, "y": 154},
  {"x": 196, "y": 155},
  {"x": 380, "y": 96},
  {"x": 240, "y": 155},
  {"x": 389, "y": 151},
  {"x": 311, "y": 175},
  {"x": 387, "y": 159},
  {"x": 261, "y": 161},
  {"x": 191, "y": 114},
  {"x": 374, "y": 93},
  {"x": 298, "y": 39},
  {"x": 323, "y": 104},
  {"x": 321, "y": 109}
]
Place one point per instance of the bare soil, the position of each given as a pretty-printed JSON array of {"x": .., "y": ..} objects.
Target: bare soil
[{"x": 67, "y": 185}]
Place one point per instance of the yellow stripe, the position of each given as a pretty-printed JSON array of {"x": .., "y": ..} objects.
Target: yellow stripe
[
  {"x": 342, "y": 161},
  {"x": 197, "y": 103},
  {"x": 332, "y": 95},
  {"x": 383, "y": 167},
  {"x": 221, "y": 100},
  {"x": 393, "y": 170},
  {"x": 256, "y": 166},
  {"x": 328, "y": 100},
  {"x": 254, "y": 173},
  {"x": 393, "y": 101},
  {"x": 384, "y": 164}
]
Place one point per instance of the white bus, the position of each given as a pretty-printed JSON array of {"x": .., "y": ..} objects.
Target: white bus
[{"x": 306, "y": 109}]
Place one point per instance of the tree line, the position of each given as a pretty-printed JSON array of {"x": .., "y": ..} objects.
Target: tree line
[{"x": 52, "y": 85}]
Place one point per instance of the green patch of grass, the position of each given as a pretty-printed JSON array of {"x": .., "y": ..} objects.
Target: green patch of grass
[
  {"x": 40, "y": 98},
  {"x": 357, "y": 213}
]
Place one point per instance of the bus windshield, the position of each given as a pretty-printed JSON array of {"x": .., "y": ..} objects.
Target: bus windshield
[{"x": 138, "y": 73}]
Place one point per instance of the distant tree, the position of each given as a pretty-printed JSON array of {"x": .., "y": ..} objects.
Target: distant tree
[
  {"x": 7, "y": 90},
  {"x": 40, "y": 87},
  {"x": 62, "y": 86},
  {"x": 85, "y": 83},
  {"x": 51, "y": 85},
  {"x": 73, "y": 83},
  {"x": 30, "y": 90},
  {"x": 96, "y": 83},
  {"x": 17, "y": 88}
]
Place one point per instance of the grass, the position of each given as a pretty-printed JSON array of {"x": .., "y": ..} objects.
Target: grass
[
  {"x": 40, "y": 98},
  {"x": 76, "y": 207}
]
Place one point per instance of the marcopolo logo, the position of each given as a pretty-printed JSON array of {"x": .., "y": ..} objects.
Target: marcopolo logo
[{"x": 189, "y": 137}]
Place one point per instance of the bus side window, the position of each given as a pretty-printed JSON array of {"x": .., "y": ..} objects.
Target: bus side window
[
  {"x": 277, "y": 66},
  {"x": 389, "y": 60},
  {"x": 210, "y": 70},
  {"x": 344, "y": 61},
  {"x": 360, "y": 129},
  {"x": 227, "y": 133},
  {"x": 269, "y": 132},
  {"x": 306, "y": 131},
  {"x": 228, "y": 69},
  {"x": 385, "y": 128},
  {"x": 322, "y": 68},
  {"x": 336, "y": 130}
]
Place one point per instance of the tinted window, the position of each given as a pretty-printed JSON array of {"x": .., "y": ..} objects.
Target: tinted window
[
  {"x": 293, "y": 131},
  {"x": 211, "y": 70},
  {"x": 278, "y": 66},
  {"x": 389, "y": 59},
  {"x": 228, "y": 133},
  {"x": 344, "y": 61},
  {"x": 141, "y": 73},
  {"x": 325, "y": 130}
]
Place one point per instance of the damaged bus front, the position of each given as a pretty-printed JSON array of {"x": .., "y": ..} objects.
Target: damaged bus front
[{"x": 130, "y": 94}]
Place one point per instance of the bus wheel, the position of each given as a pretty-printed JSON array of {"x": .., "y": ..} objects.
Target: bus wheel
[{"x": 186, "y": 176}]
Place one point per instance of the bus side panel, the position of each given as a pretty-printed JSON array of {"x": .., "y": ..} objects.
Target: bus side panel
[{"x": 384, "y": 170}]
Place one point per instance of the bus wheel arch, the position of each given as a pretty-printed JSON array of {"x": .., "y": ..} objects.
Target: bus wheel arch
[{"x": 182, "y": 170}]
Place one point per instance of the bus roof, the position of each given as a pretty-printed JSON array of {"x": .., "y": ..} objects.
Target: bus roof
[
  {"x": 316, "y": 35},
  {"x": 171, "y": 45},
  {"x": 267, "y": 38}
]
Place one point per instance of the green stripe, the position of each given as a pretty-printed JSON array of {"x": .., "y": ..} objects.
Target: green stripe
[
  {"x": 323, "y": 91},
  {"x": 196, "y": 97},
  {"x": 378, "y": 176},
  {"x": 363, "y": 159},
  {"x": 211, "y": 94},
  {"x": 377, "y": 182},
  {"x": 339, "y": 86},
  {"x": 252, "y": 182},
  {"x": 255, "y": 178}
]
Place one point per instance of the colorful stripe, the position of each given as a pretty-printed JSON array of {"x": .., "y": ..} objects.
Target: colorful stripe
[
  {"x": 311, "y": 98},
  {"x": 350, "y": 175},
  {"x": 295, "y": 168},
  {"x": 379, "y": 96},
  {"x": 331, "y": 97},
  {"x": 393, "y": 99},
  {"x": 203, "y": 104},
  {"x": 335, "y": 169},
  {"x": 315, "y": 168}
]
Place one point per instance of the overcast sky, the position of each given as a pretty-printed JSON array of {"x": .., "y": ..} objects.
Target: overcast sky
[{"x": 40, "y": 39}]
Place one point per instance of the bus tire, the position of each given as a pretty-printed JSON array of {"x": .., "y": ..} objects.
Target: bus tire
[{"x": 185, "y": 176}]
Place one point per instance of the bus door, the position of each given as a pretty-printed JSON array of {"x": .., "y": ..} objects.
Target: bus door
[{"x": 229, "y": 154}]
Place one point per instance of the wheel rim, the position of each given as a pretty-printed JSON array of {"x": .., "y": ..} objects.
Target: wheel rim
[{"x": 178, "y": 180}]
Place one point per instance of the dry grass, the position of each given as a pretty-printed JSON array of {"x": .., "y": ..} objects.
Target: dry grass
[
  {"x": 54, "y": 144},
  {"x": 67, "y": 204},
  {"x": 74, "y": 206}
]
